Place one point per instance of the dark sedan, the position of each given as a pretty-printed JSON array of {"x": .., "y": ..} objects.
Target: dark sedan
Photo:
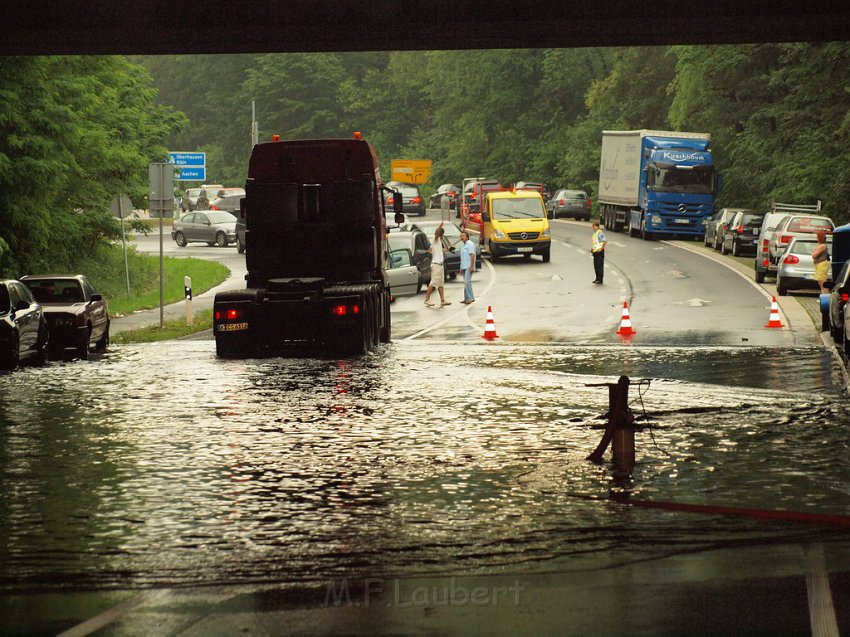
[
  {"x": 742, "y": 233},
  {"x": 77, "y": 315},
  {"x": 23, "y": 328},
  {"x": 414, "y": 204},
  {"x": 569, "y": 203}
]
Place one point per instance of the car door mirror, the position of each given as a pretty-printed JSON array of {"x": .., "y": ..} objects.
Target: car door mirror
[
  {"x": 398, "y": 203},
  {"x": 399, "y": 217},
  {"x": 96, "y": 297}
]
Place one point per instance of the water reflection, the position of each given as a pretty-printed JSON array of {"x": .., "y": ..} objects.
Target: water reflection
[{"x": 160, "y": 465}]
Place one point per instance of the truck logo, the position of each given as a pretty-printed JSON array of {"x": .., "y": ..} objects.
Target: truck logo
[
  {"x": 677, "y": 156},
  {"x": 683, "y": 207}
]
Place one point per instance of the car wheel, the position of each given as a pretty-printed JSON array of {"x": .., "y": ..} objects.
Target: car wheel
[
  {"x": 9, "y": 360},
  {"x": 735, "y": 251},
  {"x": 180, "y": 239},
  {"x": 759, "y": 276},
  {"x": 103, "y": 343},
  {"x": 221, "y": 239},
  {"x": 705, "y": 239},
  {"x": 845, "y": 344},
  {"x": 824, "y": 322},
  {"x": 781, "y": 290},
  {"x": 83, "y": 345},
  {"x": 240, "y": 247},
  {"x": 546, "y": 256},
  {"x": 722, "y": 247}
]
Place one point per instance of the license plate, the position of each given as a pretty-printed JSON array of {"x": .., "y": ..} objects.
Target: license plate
[
  {"x": 683, "y": 220},
  {"x": 232, "y": 327},
  {"x": 524, "y": 249}
]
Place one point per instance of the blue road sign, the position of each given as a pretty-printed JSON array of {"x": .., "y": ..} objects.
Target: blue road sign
[
  {"x": 188, "y": 159},
  {"x": 191, "y": 173}
]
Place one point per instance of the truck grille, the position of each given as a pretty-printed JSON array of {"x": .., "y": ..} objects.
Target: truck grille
[{"x": 523, "y": 236}]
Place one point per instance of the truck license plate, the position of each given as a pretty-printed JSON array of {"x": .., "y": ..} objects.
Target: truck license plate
[
  {"x": 524, "y": 249},
  {"x": 683, "y": 221},
  {"x": 232, "y": 327}
]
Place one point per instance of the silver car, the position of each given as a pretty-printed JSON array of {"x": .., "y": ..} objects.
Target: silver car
[
  {"x": 402, "y": 274},
  {"x": 796, "y": 268},
  {"x": 213, "y": 227}
]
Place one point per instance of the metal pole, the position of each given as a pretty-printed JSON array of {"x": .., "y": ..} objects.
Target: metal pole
[
  {"x": 124, "y": 243},
  {"x": 255, "y": 133},
  {"x": 161, "y": 257}
]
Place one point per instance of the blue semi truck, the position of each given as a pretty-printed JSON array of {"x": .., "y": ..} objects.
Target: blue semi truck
[{"x": 656, "y": 183}]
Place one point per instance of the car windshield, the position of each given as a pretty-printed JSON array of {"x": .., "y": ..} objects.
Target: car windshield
[
  {"x": 809, "y": 224},
  {"x": 399, "y": 242},
  {"x": 575, "y": 195},
  {"x": 802, "y": 247},
  {"x": 450, "y": 229},
  {"x": 752, "y": 221},
  {"x": 55, "y": 290},
  {"x": 408, "y": 191},
  {"x": 221, "y": 217},
  {"x": 666, "y": 178},
  {"x": 518, "y": 208}
]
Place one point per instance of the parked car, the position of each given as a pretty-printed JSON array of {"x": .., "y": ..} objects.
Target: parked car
[
  {"x": 838, "y": 298},
  {"x": 402, "y": 274},
  {"x": 569, "y": 203},
  {"x": 189, "y": 202},
  {"x": 77, "y": 315},
  {"x": 796, "y": 226},
  {"x": 531, "y": 185},
  {"x": 450, "y": 191},
  {"x": 474, "y": 191},
  {"x": 215, "y": 227},
  {"x": 417, "y": 243},
  {"x": 716, "y": 224},
  {"x": 741, "y": 233},
  {"x": 796, "y": 269},
  {"x": 452, "y": 236},
  {"x": 23, "y": 328},
  {"x": 763, "y": 267},
  {"x": 414, "y": 204},
  {"x": 228, "y": 199}
]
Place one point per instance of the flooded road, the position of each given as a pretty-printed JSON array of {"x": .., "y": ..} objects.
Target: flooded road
[{"x": 159, "y": 465}]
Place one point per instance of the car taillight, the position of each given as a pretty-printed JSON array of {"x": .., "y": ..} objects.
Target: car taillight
[
  {"x": 785, "y": 238},
  {"x": 740, "y": 229},
  {"x": 229, "y": 314},
  {"x": 589, "y": 203},
  {"x": 451, "y": 194},
  {"x": 214, "y": 208},
  {"x": 845, "y": 297},
  {"x": 560, "y": 202},
  {"x": 343, "y": 310},
  {"x": 791, "y": 259},
  {"x": 416, "y": 200}
]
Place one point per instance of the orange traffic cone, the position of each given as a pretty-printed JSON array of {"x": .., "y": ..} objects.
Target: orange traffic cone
[
  {"x": 774, "y": 321},
  {"x": 626, "y": 322},
  {"x": 490, "y": 325}
]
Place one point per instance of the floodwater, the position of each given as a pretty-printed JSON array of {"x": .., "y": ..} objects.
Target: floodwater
[{"x": 159, "y": 465}]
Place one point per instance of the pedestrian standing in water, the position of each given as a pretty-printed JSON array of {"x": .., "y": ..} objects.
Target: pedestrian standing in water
[
  {"x": 438, "y": 273},
  {"x": 597, "y": 248},
  {"x": 467, "y": 266},
  {"x": 820, "y": 255}
]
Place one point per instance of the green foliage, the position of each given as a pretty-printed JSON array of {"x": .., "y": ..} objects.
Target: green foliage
[
  {"x": 78, "y": 131},
  {"x": 176, "y": 328}
]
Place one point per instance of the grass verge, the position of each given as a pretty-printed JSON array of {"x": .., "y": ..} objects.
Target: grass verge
[{"x": 172, "y": 329}]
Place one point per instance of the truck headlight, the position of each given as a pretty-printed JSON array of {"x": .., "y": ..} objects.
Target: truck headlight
[
  {"x": 656, "y": 219},
  {"x": 499, "y": 234}
]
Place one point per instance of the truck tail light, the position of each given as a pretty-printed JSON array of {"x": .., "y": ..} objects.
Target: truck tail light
[
  {"x": 228, "y": 314},
  {"x": 785, "y": 238},
  {"x": 343, "y": 309},
  {"x": 791, "y": 259}
]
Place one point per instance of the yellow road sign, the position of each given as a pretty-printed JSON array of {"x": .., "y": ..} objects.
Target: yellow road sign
[{"x": 414, "y": 171}]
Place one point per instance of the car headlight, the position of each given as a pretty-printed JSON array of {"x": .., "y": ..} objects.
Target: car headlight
[
  {"x": 499, "y": 234},
  {"x": 546, "y": 233}
]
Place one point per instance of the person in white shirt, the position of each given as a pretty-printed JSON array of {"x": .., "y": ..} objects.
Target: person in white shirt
[{"x": 438, "y": 274}]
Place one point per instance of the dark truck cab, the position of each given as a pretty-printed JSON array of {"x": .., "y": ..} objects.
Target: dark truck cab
[{"x": 316, "y": 252}]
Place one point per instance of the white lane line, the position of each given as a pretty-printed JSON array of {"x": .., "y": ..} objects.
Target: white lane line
[{"x": 465, "y": 309}]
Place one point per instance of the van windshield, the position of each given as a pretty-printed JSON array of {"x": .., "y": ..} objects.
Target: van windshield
[{"x": 518, "y": 208}]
